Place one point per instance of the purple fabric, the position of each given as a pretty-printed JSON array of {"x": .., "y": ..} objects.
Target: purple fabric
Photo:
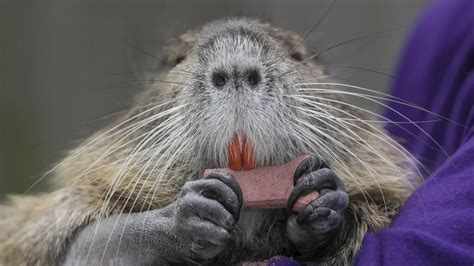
[
  {"x": 282, "y": 261},
  {"x": 436, "y": 72}
]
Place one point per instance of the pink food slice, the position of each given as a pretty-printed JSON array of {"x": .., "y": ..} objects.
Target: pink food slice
[{"x": 269, "y": 187}]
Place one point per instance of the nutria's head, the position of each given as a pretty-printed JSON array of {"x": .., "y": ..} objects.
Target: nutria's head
[{"x": 240, "y": 73}]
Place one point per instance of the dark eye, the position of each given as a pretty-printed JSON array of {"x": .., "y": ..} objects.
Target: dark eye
[
  {"x": 253, "y": 78},
  {"x": 179, "y": 59},
  {"x": 219, "y": 79},
  {"x": 297, "y": 56}
]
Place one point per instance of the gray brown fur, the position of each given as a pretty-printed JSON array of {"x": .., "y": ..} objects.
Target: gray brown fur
[{"x": 37, "y": 230}]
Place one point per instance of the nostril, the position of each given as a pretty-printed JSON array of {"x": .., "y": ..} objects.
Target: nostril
[
  {"x": 253, "y": 78},
  {"x": 219, "y": 79}
]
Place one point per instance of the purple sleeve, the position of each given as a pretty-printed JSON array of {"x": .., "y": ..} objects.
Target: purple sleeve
[
  {"x": 436, "y": 226},
  {"x": 436, "y": 72}
]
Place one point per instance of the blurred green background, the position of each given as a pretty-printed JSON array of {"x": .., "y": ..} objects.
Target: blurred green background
[{"x": 59, "y": 58}]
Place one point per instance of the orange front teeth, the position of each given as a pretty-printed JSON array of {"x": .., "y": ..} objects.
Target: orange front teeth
[
  {"x": 241, "y": 153},
  {"x": 235, "y": 161}
]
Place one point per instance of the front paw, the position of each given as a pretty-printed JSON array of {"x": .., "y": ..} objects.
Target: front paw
[
  {"x": 206, "y": 214},
  {"x": 316, "y": 227}
]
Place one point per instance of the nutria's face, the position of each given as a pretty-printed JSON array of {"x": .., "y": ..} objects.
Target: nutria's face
[{"x": 239, "y": 82}]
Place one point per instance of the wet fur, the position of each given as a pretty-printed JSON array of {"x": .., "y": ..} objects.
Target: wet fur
[{"x": 94, "y": 181}]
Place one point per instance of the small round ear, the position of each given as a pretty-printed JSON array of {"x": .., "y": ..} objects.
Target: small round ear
[
  {"x": 178, "y": 49},
  {"x": 291, "y": 41}
]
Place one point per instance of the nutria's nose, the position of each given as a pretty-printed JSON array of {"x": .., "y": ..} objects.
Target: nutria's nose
[
  {"x": 250, "y": 78},
  {"x": 219, "y": 79},
  {"x": 253, "y": 77}
]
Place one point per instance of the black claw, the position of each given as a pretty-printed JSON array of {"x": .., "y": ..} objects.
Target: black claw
[
  {"x": 308, "y": 165},
  {"x": 230, "y": 181},
  {"x": 297, "y": 192}
]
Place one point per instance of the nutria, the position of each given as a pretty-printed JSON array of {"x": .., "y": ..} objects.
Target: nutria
[{"x": 133, "y": 193}]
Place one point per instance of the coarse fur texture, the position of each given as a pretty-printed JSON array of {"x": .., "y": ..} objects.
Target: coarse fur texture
[{"x": 182, "y": 125}]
